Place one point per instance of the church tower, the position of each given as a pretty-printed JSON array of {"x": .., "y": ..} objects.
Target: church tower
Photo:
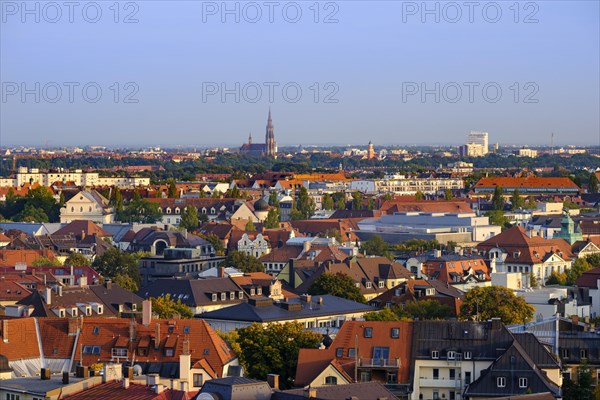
[{"x": 271, "y": 146}]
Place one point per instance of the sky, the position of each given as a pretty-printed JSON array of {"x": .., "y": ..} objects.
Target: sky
[{"x": 204, "y": 73}]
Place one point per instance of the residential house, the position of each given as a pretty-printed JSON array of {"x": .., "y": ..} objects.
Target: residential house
[
  {"x": 179, "y": 263},
  {"x": 88, "y": 205},
  {"x": 591, "y": 280},
  {"x": 307, "y": 251},
  {"x": 415, "y": 290},
  {"x": 362, "y": 351},
  {"x": 464, "y": 272},
  {"x": 324, "y": 311},
  {"x": 514, "y": 251},
  {"x": 155, "y": 241}
]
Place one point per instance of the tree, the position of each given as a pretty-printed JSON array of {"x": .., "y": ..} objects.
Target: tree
[
  {"x": 557, "y": 279},
  {"x": 376, "y": 246},
  {"x": 243, "y": 262},
  {"x": 448, "y": 195},
  {"x": 117, "y": 200},
  {"x": 46, "y": 262},
  {"x": 273, "y": 199},
  {"x": 217, "y": 244},
  {"x": 273, "y": 219},
  {"x": 274, "y": 349},
  {"x": 419, "y": 195},
  {"x": 533, "y": 280},
  {"x": 497, "y": 199},
  {"x": 516, "y": 201},
  {"x": 357, "y": 201},
  {"x": 484, "y": 303},
  {"x": 189, "y": 218},
  {"x": 593, "y": 260},
  {"x": 334, "y": 233},
  {"x": 172, "y": 190},
  {"x": 305, "y": 204},
  {"x": 579, "y": 267},
  {"x": 77, "y": 260},
  {"x": 328, "y": 202},
  {"x": 140, "y": 210},
  {"x": 531, "y": 203},
  {"x": 216, "y": 194},
  {"x": 593, "y": 183},
  {"x": 384, "y": 315},
  {"x": 498, "y": 218},
  {"x": 234, "y": 193},
  {"x": 126, "y": 282},
  {"x": 249, "y": 226},
  {"x": 166, "y": 307},
  {"x": 370, "y": 204},
  {"x": 582, "y": 388},
  {"x": 338, "y": 284},
  {"x": 428, "y": 309},
  {"x": 115, "y": 262}
]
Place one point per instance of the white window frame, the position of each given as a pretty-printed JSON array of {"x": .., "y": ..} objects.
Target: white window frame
[
  {"x": 435, "y": 355},
  {"x": 523, "y": 383},
  {"x": 501, "y": 381}
]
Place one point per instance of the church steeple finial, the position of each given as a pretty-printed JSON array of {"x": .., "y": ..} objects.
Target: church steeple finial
[{"x": 250, "y": 138}]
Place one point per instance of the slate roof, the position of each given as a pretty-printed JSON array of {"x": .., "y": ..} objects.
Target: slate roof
[
  {"x": 589, "y": 278},
  {"x": 246, "y": 312},
  {"x": 513, "y": 364},
  {"x": 237, "y": 388},
  {"x": 194, "y": 292},
  {"x": 359, "y": 391}
]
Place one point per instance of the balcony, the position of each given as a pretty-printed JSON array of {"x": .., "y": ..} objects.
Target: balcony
[
  {"x": 441, "y": 383},
  {"x": 378, "y": 363}
]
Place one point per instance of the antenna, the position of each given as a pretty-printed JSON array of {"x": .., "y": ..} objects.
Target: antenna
[{"x": 552, "y": 143}]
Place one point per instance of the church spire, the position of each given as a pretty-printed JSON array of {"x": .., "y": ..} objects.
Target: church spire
[
  {"x": 271, "y": 146},
  {"x": 250, "y": 138}
]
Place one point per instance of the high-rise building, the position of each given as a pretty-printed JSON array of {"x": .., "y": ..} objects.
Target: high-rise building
[{"x": 480, "y": 138}]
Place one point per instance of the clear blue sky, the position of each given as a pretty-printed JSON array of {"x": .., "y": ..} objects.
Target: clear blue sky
[{"x": 377, "y": 56}]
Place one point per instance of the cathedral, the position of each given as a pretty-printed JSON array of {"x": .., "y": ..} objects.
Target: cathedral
[{"x": 268, "y": 149}]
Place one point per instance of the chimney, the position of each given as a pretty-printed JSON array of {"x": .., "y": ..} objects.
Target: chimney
[
  {"x": 132, "y": 329},
  {"x": 83, "y": 281},
  {"x": 108, "y": 284},
  {"x": 73, "y": 326},
  {"x": 185, "y": 364},
  {"x": 125, "y": 383},
  {"x": 310, "y": 393},
  {"x": 158, "y": 389},
  {"x": 184, "y": 386},
  {"x": 221, "y": 272},
  {"x": 45, "y": 374},
  {"x": 273, "y": 381},
  {"x": 156, "y": 336},
  {"x": 59, "y": 290},
  {"x": 320, "y": 301},
  {"x": 82, "y": 234},
  {"x": 48, "y": 295},
  {"x": 306, "y": 246},
  {"x": 146, "y": 312},
  {"x": 5, "y": 330},
  {"x": 65, "y": 379}
]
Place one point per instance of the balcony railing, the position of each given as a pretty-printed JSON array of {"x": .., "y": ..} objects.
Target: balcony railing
[{"x": 379, "y": 362}]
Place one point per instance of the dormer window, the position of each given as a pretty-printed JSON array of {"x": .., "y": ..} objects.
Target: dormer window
[
  {"x": 177, "y": 210},
  {"x": 232, "y": 296},
  {"x": 223, "y": 296},
  {"x": 501, "y": 381},
  {"x": 241, "y": 295},
  {"x": 381, "y": 284},
  {"x": 467, "y": 355},
  {"x": 451, "y": 355},
  {"x": 368, "y": 332},
  {"x": 168, "y": 210},
  {"x": 169, "y": 352},
  {"x": 214, "y": 297},
  {"x": 88, "y": 311},
  {"x": 203, "y": 210},
  {"x": 100, "y": 310},
  {"x": 259, "y": 291},
  {"x": 212, "y": 210},
  {"x": 252, "y": 292},
  {"x": 368, "y": 285},
  {"x": 133, "y": 307},
  {"x": 435, "y": 354},
  {"x": 516, "y": 254}
]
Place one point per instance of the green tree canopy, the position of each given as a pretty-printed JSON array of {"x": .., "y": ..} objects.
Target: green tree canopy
[
  {"x": 273, "y": 200},
  {"x": 427, "y": 309},
  {"x": 328, "y": 203},
  {"x": 498, "y": 199},
  {"x": 272, "y": 220},
  {"x": 140, "y": 210},
  {"x": 357, "y": 201},
  {"x": 243, "y": 262},
  {"x": 305, "y": 205},
  {"x": 579, "y": 267},
  {"x": 448, "y": 195},
  {"x": 557, "y": 279},
  {"x": 593, "y": 183},
  {"x": 166, "y": 307},
  {"x": 77, "y": 260},
  {"x": 249, "y": 226},
  {"x": 376, "y": 246},
  {"x": 189, "y": 218},
  {"x": 338, "y": 284},
  {"x": 384, "y": 315},
  {"x": 274, "y": 349},
  {"x": 172, "y": 190},
  {"x": 419, "y": 195},
  {"x": 115, "y": 262},
  {"x": 484, "y": 303},
  {"x": 46, "y": 262},
  {"x": 516, "y": 201}
]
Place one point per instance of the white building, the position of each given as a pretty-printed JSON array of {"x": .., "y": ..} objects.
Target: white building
[
  {"x": 78, "y": 177},
  {"x": 87, "y": 205},
  {"x": 407, "y": 186}
]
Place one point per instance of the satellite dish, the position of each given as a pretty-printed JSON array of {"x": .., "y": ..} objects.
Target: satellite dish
[
  {"x": 206, "y": 396},
  {"x": 137, "y": 370}
]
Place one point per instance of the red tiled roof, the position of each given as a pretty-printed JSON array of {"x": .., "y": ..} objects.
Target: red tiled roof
[
  {"x": 76, "y": 227},
  {"x": 392, "y": 206},
  {"x": 589, "y": 278},
  {"x": 114, "y": 390},
  {"x": 11, "y": 257},
  {"x": 22, "y": 340},
  {"x": 54, "y": 341}
]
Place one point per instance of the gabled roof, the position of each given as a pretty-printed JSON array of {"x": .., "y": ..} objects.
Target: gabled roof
[
  {"x": 589, "y": 278},
  {"x": 77, "y": 227},
  {"x": 194, "y": 292},
  {"x": 21, "y": 339},
  {"x": 359, "y": 391}
]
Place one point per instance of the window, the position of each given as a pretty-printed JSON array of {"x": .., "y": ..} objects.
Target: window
[
  {"x": 583, "y": 353},
  {"x": 467, "y": 355},
  {"x": 436, "y": 395},
  {"x": 436, "y": 373},
  {"x": 11, "y": 396},
  {"x": 368, "y": 285},
  {"x": 169, "y": 352},
  {"x": 452, "y": 373},
  {"x": 395, "y": 333},
  {"x": 120, "y": 352},
  {"x": 381, "y": 353},
  {"x": 96, "y": 330},
  {"x": 223, "y": 296},
  {"x": 96, "y": 350},
  {"x": 564, "y": 353},
  {"x": 522, "y": 383},
  {"x": 368, "y": 332},
  {"x": 133, "y": 307},
  {"x": 252, "y": 292},
  {"x": 451, "y": 355},
  {"x": 352, "y": 352},
  {"x": 197, "y": 380},
  {"x": 467, "y": 378},
  {"x": 435, "y": 354},
  {"x": 501, "y": 381},
  {"x": 214, "y": 297},
  {"x": 365, "y": 376},
  {"x": 87, "y": 350},
  {"x": 186, "y": 329},
  {"x": 381, "y": 283},
  {"x": 339, "y": 352},
  {"x": 330, "y": 380},
  {"x": 241, "y": 295},
  {"x": 232, "y": 296}
]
